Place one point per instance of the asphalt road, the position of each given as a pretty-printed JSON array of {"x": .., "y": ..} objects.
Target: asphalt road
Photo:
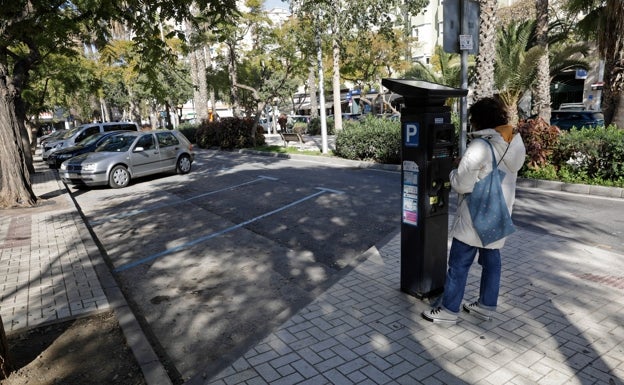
[{"x": 212, "y": 261}]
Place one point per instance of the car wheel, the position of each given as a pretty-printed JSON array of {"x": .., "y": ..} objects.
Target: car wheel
[
  {"x": 184, "y": 165},
  {"x": 119, "y": 177}
]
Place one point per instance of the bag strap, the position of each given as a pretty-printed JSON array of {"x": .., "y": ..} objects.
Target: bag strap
[{"x": 494, "y": 163}]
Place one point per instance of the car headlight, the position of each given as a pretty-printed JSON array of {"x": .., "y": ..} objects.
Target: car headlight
[
  {"x": 64, "y": 156},
  {"x": 63, "y": 166},
  {"x": 88, "y": 167}
]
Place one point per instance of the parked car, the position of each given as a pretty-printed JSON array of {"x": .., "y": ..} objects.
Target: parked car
[
  {"x": 128, "y": 155},
  {"x": 566, "y": 119},
  {"x": 80, "y": 133},
  {"x": 54, "y": 135},
  {"x": 55, "y": 159}
]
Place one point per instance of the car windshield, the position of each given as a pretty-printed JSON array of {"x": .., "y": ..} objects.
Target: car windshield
[
  {"x": 91, "y": 140},
  {"x": 117, "y": 143},
  {"x": 71, "y": 132}
]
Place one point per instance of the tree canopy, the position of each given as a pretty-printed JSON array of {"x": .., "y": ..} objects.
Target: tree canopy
[{"x": 32, "y": 31}]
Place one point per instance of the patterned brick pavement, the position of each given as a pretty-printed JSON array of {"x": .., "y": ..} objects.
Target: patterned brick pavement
[
  {"x": 46, "y": 274},
  {"x": 556, "y": 325}
]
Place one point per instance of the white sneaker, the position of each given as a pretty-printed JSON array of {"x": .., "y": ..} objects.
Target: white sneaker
[
  {"x": 478, "y": 311},
  {"x": 440, "y": 315}
]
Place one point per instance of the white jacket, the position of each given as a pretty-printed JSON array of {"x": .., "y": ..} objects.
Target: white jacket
[{"x": 475, "y": 165}]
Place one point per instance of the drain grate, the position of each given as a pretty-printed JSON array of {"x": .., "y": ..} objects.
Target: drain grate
[{"x": 610, "y": 280}]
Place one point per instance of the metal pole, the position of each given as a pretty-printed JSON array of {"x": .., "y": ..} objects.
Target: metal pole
[{"x": 463, "y": 103}]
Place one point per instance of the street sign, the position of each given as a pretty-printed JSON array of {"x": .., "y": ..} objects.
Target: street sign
[{"x": 452, "y": 20}]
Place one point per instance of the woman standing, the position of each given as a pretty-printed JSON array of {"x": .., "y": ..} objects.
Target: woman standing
[{"x": 488, "y": 120}]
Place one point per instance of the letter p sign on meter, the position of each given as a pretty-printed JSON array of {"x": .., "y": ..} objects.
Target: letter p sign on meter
[{"x": 411, "y": 134}]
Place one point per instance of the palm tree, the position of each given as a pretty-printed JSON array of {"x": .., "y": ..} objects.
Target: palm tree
[
  {"x": 604, "y": 21},
  {"x": 516, "y": 64},
  {"x": 484, "y": 72},
  {"x": 542, "y": 83}
]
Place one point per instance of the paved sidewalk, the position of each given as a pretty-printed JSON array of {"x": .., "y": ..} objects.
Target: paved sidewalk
[
  {"x": 560, "y": 319},
  {"x": 46, "y": 273}
]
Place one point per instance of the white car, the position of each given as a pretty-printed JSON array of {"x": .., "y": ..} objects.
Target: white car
[{"x": 127, "y": 155}]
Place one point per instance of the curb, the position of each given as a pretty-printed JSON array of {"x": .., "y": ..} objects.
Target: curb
[
  {"x": 153, "y": 371},
  {"x": 574, "y": 188}
]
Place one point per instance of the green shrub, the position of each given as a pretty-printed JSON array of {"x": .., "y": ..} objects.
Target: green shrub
[
  {"x": 228, "y": 134},
  {"x": 189, "y": 130},
  {"x": 588, "y": 155},
  {"x": 314, "y": 127},
  {"x": 372, "y": 139},
  {"x": 591, "y": 153}
]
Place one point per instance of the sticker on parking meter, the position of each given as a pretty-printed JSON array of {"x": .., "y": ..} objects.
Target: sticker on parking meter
[
  {"x": 411, "y": 134},
  {"x": 410, "y": 192}
]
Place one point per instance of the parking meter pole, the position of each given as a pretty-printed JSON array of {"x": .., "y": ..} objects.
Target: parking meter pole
[{"x": 428, "y": 143}]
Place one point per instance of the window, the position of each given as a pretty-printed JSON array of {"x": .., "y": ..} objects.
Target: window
[
  {"x": 119, "y": 126},
  {"x": 166, "y": 139},
  {"x": 146, "y": 141},
  {"x": 86, "y": 133}
]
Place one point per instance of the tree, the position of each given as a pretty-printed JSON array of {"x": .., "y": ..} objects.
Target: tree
[
  {"x": 484, "y": 62},
  {"x": 604, "y": 22},
  {"x": 542, "y": 83},
  {"x": 33, "y": 29},
  {"x": 340, "y": 20},
  {"x": 516, "y": 64},
  {"x": 445, "y": 69}
]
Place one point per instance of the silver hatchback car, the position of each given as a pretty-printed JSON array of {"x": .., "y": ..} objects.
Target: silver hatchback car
[{"x": 129, "y": 155}]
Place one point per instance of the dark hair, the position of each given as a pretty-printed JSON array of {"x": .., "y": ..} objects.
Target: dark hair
[{"x": 488, "y": 113}]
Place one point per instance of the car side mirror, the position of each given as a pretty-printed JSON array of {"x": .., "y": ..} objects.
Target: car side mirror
[{"x": 138, "y": 149}]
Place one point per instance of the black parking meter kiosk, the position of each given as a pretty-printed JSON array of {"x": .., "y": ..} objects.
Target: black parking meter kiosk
[{"x": 427, "y": 137}]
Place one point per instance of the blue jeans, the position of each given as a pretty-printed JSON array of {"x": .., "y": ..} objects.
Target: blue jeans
[{"x": 460, "y": 259}]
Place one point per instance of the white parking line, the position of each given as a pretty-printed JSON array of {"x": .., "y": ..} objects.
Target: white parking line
[
  {"x": 213, "y": 235},
  {"x": 160, "y": 206}
]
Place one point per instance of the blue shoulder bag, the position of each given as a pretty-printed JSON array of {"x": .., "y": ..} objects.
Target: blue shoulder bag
[{"x": 488, "y": 210}]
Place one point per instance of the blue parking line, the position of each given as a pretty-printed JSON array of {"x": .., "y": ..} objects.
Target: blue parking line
[
  {"x": 213, "y": 235},
  {"x": 162, "y": 205}
]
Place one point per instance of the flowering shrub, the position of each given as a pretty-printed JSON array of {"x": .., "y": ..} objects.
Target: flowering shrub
[{"x": 540, "y": 139}]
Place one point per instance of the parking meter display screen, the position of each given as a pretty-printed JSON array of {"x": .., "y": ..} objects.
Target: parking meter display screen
[{"x": 443, "y": 141}]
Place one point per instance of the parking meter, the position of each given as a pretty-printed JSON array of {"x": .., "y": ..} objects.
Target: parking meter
[{"x": 427, "y": 137}]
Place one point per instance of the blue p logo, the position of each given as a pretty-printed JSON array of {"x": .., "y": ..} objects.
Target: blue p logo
[{"x": 411, "y": 134}]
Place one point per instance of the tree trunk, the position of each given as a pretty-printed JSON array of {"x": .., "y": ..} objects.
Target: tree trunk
[
  {"x": 6, "y": 364},
  {"x": 336, "y": 85},
  {"x": 232, "y": 68},
  {"x": 314, "y": 98},
  {"x": 542, "y": 87},
  {"x": 15, "y": 186},
  {"x": 484, "y": 62},
  {"x": 336, "y": 65},
  {"x": 612, "y": 49}
]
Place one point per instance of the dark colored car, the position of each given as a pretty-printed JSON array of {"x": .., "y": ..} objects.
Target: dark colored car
[
  {"x": 566, "y": 119},
  {"x": 55, "y": 159}
]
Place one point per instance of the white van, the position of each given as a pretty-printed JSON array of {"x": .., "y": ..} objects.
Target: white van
[{"x": 78, "y": 134}]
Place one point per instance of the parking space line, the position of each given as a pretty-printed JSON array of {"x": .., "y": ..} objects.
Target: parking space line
[
  {"x": 218, "y": 233},
  {"x": 162, "y": 205}
]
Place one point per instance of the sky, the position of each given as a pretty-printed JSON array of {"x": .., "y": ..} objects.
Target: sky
[{"x": 270, "y": 4}]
